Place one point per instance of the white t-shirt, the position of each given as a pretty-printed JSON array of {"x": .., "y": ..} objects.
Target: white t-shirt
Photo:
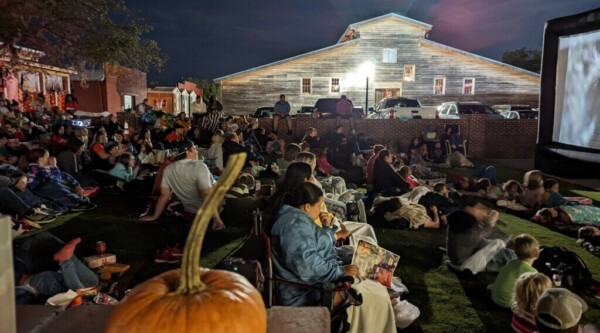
[{"x": 186, "y": 178}]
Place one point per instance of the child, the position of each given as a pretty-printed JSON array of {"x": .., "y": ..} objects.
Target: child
[
  {"x": 311, "y": 137},
  {"x": 214, "y": 154},
  {"x": 527, "y": 250},
  {"x": 551, "y": 197},
  {"x": 438, "y": 154},
  {"x": 512, "y": 190},
  {"x": 146, "y": 155},
  {"x": 528, "y": 289},
  {"x": 534, "y": 190},
  {"x": 406, "y": 174},
  {"x": 323, "y": 164}
]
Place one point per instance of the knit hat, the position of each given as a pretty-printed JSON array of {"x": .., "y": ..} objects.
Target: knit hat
[{"x": 562, "y": 305}]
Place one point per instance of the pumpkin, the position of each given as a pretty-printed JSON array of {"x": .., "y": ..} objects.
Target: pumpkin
[{"x": 194, "y": 299}]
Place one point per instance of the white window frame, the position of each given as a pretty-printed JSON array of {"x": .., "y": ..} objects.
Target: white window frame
[
  {"x": 472, "y": 85},
  {"x": 410, "y": 78},
  {"x": 302, "y": 86},
  {"x": 131, "y": 104},
  {"x": 443, "y": 85},
  {"x": 389, "y": 56},
  {"x": 331, "y": 85}
]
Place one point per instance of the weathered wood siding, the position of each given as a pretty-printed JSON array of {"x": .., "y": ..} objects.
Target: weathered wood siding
[{"x": 494, "y": 84}]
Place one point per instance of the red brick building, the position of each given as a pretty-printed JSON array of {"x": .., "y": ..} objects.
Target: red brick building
[{"x": 110, "y": 88}]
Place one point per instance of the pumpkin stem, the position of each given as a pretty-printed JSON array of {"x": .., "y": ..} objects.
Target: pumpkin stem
[{"x": 190, "y": 280}]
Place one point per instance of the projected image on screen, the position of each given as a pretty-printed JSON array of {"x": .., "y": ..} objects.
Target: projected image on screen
[{"x": 577, "y": 104}]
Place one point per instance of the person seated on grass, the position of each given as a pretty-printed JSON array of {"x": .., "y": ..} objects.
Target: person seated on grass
[
  {"x": 191, "y": 181},
  {"x": 304, "y": 253},
  {"x": 214, "y": 154},
  {"x": 324, "y": 167},
  {"x": 406, "y": 174},
  {"x": 103, "y": 155},
  {"x": 146, "y": 156},
  {"x": 371, "y": 162},
  {"x": 289, "y": 155},
  {"x": 311, "y": 136},
  {"x": 533, "y": 183},
  {"x": 123, "y": 145},
  {"x": 528, "y": 288},
  {"x": 231, "y": 145},
  {"x": 5, "y": 156},
  {"x": 466, "y": 242},
  {"x": 559, "y": 310},
  {"x": 38, "y": 287},
  {"x": 239, "y": 202},
  {"x": 385, "y": 179},
  {"x": 527, "y": 250},
  {"x": 438, "y": 154},
  {"x": 47, "y": 181}
]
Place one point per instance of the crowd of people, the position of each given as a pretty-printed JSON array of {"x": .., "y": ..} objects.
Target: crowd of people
[{"x": 315, "y": 216}]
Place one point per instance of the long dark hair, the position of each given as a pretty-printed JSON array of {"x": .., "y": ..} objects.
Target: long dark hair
[
  {"x": 296, "y": 173},
  {"x": 303, "y": 193}
]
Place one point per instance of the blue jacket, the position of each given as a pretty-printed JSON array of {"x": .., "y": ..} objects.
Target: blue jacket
[{"x": 303, "y": 253}]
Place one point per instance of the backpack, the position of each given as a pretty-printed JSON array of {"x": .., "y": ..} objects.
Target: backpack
[{"x": 558, "y": 260}]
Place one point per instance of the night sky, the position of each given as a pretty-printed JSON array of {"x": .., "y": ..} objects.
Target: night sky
[{"x": 209, "y": 39}]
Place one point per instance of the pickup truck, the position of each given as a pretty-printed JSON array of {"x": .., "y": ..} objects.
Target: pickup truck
[{"x": 401, "y": 108}]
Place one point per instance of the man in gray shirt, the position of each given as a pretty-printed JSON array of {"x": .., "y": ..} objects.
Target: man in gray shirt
[{"x": 190, "y": 179}]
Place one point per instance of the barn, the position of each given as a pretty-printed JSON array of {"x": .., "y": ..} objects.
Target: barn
[{"x": 386, "y": 56}]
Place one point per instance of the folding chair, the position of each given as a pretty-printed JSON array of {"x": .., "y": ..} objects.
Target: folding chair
[
  {"x": 338, "y": 315},
  {"x": 454, "y": 142}
]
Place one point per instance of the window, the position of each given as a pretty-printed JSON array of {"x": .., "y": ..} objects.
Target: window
[
  {"x": 409, "y": 72},
  {"x": 390, "y": 56},
  {"x": 335, "y": 85},
  {"x": 439, "y": 86},
  {"x": 128, "y": 102},
  {"x": 469, "y": 86},
  {"x": 306, "y": 86}
]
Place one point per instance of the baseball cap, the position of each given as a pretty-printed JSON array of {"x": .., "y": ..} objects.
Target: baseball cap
[{"x": 562, "y": 305}]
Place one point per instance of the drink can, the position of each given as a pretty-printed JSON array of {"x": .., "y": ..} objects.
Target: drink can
[{"x": 100, "y": 247}]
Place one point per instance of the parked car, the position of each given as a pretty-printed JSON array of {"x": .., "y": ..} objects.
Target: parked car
[
  {"x": 325, "y": 108},
  {"x": 456, "y": 110},
  {"x": 263, "y": 112},
  {"x": 520, "y": 114},
  {"x": 508, "y": 107},
  {"x": 305, "y": 111},
  {"x": 401, "y": 108}
]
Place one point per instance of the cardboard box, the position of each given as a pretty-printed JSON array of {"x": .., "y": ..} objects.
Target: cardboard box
[{"x": 99, "y": 260}]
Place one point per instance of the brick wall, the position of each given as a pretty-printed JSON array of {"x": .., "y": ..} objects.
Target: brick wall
[
  {"x": 505, "y": 139},
  {"x": 124, "y": 81}
]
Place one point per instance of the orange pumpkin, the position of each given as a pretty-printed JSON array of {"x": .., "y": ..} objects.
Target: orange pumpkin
[{"x": 194, "y": 299}]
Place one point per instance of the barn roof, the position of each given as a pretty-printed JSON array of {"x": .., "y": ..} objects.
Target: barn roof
[
  {"x": 352, "y": 27},
  {"x": 279, "y": 62},
  {"x": 428, "y": 42}
]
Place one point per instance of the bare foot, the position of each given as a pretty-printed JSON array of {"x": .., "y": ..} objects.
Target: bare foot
[
  {"x": 218, "y": 226},
  {"x": 67, "y": 251}
]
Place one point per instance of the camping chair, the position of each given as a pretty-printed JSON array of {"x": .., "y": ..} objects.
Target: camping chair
[
  {"x": 430, "y": 135},
  {"x": 338, "y": 315},
  {"x": 455, "y": 142}
]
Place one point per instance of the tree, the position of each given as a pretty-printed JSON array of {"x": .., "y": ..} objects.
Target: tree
[
  {"x": 76, "y": 33},
  {"x": 208, "y": 87},
  {"x": 525, "y": 58}
]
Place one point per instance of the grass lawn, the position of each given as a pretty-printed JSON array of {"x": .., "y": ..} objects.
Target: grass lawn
[{"x": 448, "y": 303}]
